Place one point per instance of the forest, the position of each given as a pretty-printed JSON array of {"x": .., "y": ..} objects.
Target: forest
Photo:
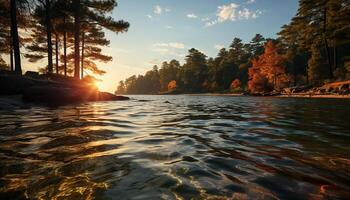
[
  {"x": 69, "y": 34},
  {"x": 313, "y": 49}
]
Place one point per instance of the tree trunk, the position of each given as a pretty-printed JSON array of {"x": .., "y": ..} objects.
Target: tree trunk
[
  {"x": 76, "y": 37},
  {"x": 65, "y": 47},
  {"x": 326, "y": 43},
  {"x": 82, "y": 54},
  {"x": 56, "y": 48},
  {"x": 335, "y": 55},
  {"x": 15, "y": 38},
  {"x": 307, "y": 75},
  {"x": 48, "y": 36},
  {"x": 11, "y": 58},
  {"x": 295, "y": 75}
]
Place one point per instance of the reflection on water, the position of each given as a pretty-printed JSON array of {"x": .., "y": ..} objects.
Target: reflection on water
[{"x": 178, "y": 147}]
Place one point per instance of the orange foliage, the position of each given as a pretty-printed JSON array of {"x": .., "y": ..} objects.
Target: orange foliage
[
  {"x": 267, "y": 71},
  {"x": 172, "y": 85},
  {"x": 236, "y": 84}
]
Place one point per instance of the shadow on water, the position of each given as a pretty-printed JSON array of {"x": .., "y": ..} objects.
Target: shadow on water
[{"x": 178, "y": 147}]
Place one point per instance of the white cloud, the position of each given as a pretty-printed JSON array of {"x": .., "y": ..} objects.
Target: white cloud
[
  {"x": 211, "y": 23},
  {"x": 169, "y": 27},
  {"x": 227, "y": 12},
  {"x": 175, "y": 45},
  {"x": 205, "y": 19},
  {"x": 232, "y": 12},
  {"x": 192, "y": 16},
  {"x": 250, "y": 1},
  {"x": 219, "y": 46},
  {"x": 149, "y": 16},
  {"x": 158, "y": 10},
  {"x": 172, "y": 48}
]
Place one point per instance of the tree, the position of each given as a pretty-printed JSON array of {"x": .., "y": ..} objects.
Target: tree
[
  {"x": 15, "y": 37},
  {"x": 121, "y": 88},
  {"x": 236, "y": 84},
  {"x": 256, "y": 45},
  {"x": 258, "y": 82},
  {"x": 95, "y": 13},
  {"x": 172, "y": 85},
  {"x": 317, "y": 67},
  {"x": 168, "y": 72},
  {"x": 268, "y": 71},
  {"x": 93, "y": 38},
  {"x": 194, "y": 71}
]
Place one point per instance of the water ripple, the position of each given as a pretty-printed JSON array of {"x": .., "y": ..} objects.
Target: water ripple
[{"x": 178, "y": 147}]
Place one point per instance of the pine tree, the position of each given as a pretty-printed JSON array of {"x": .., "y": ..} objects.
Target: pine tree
[
  {"x": 317, "y": 67},
  {"x": 93, "y": 12}
]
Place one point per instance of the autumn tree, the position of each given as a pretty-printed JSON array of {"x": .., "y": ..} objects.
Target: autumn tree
[
  {"x": 172, "y": 85},
  {"x": 168, "y": 72},
  {"x": 267, "y": 71},
  {"x": 236, "y": 84}
]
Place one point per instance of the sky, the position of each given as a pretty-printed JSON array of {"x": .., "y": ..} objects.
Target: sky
[{"x": 161, "y": 30}]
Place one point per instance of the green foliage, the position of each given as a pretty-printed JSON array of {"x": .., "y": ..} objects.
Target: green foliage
[{"x": 317, "y": 70}]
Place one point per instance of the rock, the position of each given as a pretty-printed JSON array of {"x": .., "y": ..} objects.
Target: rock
[
  {"x": 105, "y": 96},
  {"x": 12, "y": 102},
  {"x": 32, "y": 74},
  {"x": 51, "y": 95},
  {"x": 12, "y": 84}
]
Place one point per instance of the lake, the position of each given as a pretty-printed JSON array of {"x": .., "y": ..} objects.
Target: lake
[{"x": 178, "y": 147}]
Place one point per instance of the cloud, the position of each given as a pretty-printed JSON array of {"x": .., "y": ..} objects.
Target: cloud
[
  {"x": 157, "y": 10},
  {"x": 250, "y": 1},
  {"x": 172, "y": 48},
  {"x": 192, "y": 16},
  {"x": 169, "y": 27},
  {"x": 205, "y": 19},
  {"x": 149, "y": 16},
  {"x": 232, "y": 12},
  {"x": 227, "y": 12},
  {"x": 219, "y": 46},
  {"x": 175, "y": 45}
]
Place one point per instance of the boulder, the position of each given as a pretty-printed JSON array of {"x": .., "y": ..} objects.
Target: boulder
[
  {"x": 13, "y": 84},
  {"x": 60, "y": 96},
  {"x": 105, "y": 96}
]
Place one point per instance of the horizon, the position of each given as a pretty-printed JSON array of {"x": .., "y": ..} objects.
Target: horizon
[{"x": 165, "y": 30}]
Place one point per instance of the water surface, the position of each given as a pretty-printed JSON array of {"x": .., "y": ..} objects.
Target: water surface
[{"x": 178, "y": 147}]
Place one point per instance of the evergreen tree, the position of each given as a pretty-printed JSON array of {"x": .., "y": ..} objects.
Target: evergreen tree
[{"x": 317, "y": 67}]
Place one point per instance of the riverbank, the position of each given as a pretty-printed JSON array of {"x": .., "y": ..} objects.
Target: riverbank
[
  {"x": 49, "y": 89},
  {"x": 330, "y": 90}
]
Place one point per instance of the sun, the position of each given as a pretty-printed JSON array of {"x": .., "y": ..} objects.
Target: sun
[{"x": 98, "y": 84}]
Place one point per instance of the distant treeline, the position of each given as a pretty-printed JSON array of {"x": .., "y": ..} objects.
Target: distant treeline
[
  {"x": 68, "y": 33},
  {"x": 312, "y": 49}
]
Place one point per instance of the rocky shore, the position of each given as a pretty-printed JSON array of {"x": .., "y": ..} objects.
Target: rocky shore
[
  {"x": 330, "y": 90},
  {"x": 49, "y": 89}
]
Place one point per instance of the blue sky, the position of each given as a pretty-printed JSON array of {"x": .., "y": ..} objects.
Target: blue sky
[{"x": 165, "y": 29}]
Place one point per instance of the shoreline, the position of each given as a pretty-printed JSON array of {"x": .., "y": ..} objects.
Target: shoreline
[{"x": 314, "y": 96}]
